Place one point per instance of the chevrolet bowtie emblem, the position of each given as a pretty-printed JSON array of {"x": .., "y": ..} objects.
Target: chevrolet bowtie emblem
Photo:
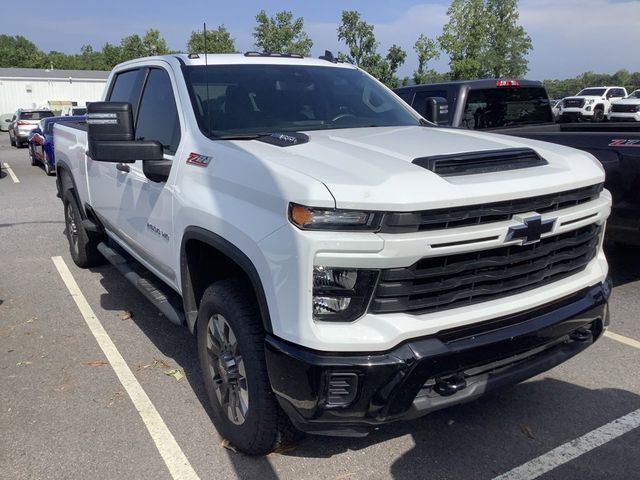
[{"x": 532, "y": 229}]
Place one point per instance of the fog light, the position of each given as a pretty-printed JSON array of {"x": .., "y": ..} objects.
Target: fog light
[
  {"x": 341, "y": 294},
  {"x": 323, "y": 305}
]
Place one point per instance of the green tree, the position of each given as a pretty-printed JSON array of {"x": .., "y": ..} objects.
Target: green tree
[
  {"x": 427, "y": 50},
  {"x": 281, "y": 33},
  {"x": 111, "y": 56},
  {"x": 464, "y": 38},
  {"x": 508, "y": 43},
  {"x": 483, "y": 39},
  {"x": 19, "y": 52},
  {"x": 153, "y": 43},
  {"x": 218, "y": 41},
  {"x": 132, "y": 47},
  {"x": 363, "y": 49}
]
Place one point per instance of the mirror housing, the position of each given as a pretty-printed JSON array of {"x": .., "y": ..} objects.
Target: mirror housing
[
  {"x": 111, "y": 136},
  {"x": 437, "y": 110}
]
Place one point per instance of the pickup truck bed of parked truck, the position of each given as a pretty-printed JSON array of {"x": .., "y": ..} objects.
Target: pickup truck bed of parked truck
[
  {"x": 521, "y": 108},
  {"x": 343, "y": 263}
]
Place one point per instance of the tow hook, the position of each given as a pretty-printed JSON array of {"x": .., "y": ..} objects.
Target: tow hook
[
  {"x": 450, "y": 385},
  {"x": 582, "y": 334}
]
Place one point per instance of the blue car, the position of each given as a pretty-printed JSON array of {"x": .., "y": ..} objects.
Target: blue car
[{"x": 41, "y": 142}]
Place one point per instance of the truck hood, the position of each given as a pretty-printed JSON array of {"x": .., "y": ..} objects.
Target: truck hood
[{"x": 370, "y": 168}]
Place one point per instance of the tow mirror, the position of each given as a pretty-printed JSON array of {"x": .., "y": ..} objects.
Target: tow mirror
[
  {"x": 437, "y": 110},
  {"x": 111, "y": 135}
]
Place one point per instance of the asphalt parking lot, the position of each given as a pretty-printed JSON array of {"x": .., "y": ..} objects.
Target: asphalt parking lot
[{"x": 65, "y": 413}]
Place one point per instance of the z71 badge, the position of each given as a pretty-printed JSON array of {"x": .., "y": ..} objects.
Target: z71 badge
[
  {"x": 621, "y": 142},
  {"x": 198, "y": 160}
]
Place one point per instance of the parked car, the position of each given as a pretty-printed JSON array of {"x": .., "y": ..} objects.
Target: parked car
[
  {"x": 41, "y": 142},
  {"x": 5, "y": 120},
  {"x": 627, "y": 109},
  {"x": 22, "y": 122},
  {"x": 591, "y": 103},
  {"x": 344, "y": 263},
  {"x": 73, "y": 111}
]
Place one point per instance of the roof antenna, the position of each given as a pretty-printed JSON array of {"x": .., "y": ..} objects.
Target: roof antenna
[
  {"x": 328, "y": 56},
  {"x": 206, "y": 66}
]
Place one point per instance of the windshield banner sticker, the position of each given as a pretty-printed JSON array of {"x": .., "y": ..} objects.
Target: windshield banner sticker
[{"x": 198, "y": 160}]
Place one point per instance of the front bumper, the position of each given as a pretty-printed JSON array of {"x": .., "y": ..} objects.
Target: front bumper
[{"x": 347, "y": 394}]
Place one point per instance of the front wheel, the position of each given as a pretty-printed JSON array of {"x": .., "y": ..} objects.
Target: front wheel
[
  {"x": 231, "y": 351},
  {"x": 83, "y": 247},
  {"x": 32, "y": 157},
  {"x": 598, "y": 115}
]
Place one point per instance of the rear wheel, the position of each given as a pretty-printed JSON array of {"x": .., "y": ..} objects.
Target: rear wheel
[
  {"x": 45, "y": 161},
  {"x": 231, "y": 351},
  {"x": 12, "y": 140},
  {"x": 82, "y": 246}
]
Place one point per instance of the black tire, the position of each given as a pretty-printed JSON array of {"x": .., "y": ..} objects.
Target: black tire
[
  {"x": 45, "y": 164},
  {"x": 82, "y": 246},
  {"x": 235, "y": 374},
  {"x": 12, "y": 140},
  {"x": 598, "y": 115},
  {"x": 32, "y": 157}
]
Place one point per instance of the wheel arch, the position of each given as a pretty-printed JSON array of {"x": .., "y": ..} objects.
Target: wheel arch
[{"x": 201, "y": 249}]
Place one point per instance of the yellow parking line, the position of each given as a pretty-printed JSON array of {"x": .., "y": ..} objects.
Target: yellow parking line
[{"x": 622, "y": 339}]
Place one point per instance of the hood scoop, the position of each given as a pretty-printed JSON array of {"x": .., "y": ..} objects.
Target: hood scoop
[{"x": 481, "y": 162}]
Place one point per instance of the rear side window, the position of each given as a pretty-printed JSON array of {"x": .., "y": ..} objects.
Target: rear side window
[
  {"x": 126, "y": 88},
  {"x": 35, "y": 115},
  {"x": 506, "y": 107},
  {"x": 158, "y": 115}
]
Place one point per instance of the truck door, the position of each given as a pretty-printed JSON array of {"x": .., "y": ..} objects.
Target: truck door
[{"x": 143, "y": 207}]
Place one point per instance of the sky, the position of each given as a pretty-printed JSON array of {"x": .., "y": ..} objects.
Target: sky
[{"x": 569, "y": 36}]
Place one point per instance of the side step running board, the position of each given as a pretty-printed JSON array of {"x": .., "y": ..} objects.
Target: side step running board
[{"x": 165, "y": 299}]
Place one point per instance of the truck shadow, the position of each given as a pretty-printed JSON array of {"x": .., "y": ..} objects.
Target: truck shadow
[
  {"x": 492, "y": 435},
  {"x": 175, "y": 343},
  {"x": 487, "y": 437},
  {"x": 624, "y": 263}
]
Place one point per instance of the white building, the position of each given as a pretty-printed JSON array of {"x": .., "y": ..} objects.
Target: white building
[{"x": 55, "y": 89}]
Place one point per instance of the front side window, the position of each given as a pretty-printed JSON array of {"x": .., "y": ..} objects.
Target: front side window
[
  {"x": 255, "y": 99},
  {"x": 158, "y": 115}
]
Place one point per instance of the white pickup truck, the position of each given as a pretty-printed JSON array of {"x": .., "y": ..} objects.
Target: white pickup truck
[
  {"x": 343, "y": 262},
  {"x": 593, "y": 103}
]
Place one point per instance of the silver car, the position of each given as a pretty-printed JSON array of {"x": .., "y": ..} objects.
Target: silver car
[{"x": 23, "y": 122}]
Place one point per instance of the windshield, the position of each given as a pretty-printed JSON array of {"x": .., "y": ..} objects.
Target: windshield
[
  {"x": 591, "y": 92},
  {"x": 36, "y": 115},
  {"x": 503, "y": 107},
  {"x": 232, "y": 100}
]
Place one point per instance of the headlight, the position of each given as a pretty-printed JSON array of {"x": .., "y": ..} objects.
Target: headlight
[
  {"x": 308, "y": 218},
  {"x": 590, "y": 101},
  {"x": 341, "y": 294}
]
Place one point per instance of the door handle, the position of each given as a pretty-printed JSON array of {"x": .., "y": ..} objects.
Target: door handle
[{"x": 123, "y": 167}]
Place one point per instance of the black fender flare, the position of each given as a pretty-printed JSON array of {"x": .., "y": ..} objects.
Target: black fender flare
[{"x": 232, "y": 252}]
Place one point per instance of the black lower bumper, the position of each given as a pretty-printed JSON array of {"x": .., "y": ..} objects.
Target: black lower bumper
[{"x": 347, "y": 394}]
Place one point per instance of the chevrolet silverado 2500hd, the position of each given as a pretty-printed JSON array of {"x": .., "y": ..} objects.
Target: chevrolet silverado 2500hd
[{"x": 343, "y": 263}]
